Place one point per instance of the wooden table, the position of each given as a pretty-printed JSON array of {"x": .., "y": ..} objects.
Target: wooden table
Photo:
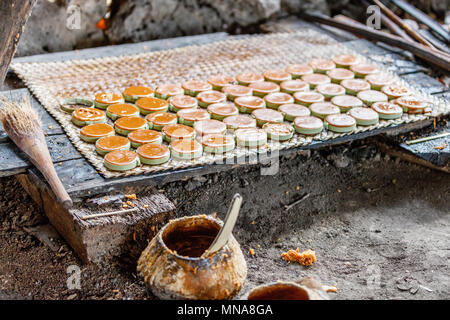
[{"x": 82, "y": 181}]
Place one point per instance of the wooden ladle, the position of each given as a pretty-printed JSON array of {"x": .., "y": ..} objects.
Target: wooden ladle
[{"x": 228, "y": 225}]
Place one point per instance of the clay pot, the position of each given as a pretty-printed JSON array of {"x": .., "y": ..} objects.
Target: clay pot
[
  {"x": 286, "y": 290},
  {"x": 172, "y": 266}
]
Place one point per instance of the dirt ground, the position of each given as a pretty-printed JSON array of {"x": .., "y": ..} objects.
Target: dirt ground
[{"x": 380, "y": 228}]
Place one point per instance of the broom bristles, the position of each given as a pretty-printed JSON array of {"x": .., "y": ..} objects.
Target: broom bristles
[{"x": 19, "y": 118}]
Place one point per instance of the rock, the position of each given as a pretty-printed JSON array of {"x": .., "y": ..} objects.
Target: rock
[
  {"x": 154, "y": 19},
  {"x": 439, "y": 7},
  {"x": 47, "y": 28},
  {"x": 295, "y": 6},
  {"x": 50, "y": 26},
  {"x": 151, "y": 19},
  {"x": 340, "y": 161}
]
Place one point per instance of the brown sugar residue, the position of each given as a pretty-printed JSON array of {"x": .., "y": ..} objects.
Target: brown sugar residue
[{"x": 305, "y": 258}]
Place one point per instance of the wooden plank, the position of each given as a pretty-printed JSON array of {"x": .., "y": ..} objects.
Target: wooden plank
[
  {"x": 49, "y": 124},
  {"x": 435, "y": 151},
  {"x": 13, "y": 15},
  {"x": 80, "y": 178},
  {"x": 425, "y": 82},
  {"x": 102, "y": 239},
  {"x": 392, "y": 149},
  {"x": 13, "y": 160}
]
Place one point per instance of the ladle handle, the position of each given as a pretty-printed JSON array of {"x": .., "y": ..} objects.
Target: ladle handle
[{"x": 228, "y": 225}]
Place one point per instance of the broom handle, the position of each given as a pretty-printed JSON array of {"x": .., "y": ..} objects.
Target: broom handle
[
  {"x": 40, "y": 156},
  {"x": 52, "y": 178}
]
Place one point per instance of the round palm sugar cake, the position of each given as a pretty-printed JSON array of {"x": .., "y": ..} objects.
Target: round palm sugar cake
[
  {"x": 218, "y": 143},
  {"x": 345, "y": 60},
  {"x": 323, "y": 109},
  {"x": 265, "y": 115},
  {"x": 308, "y": 125},
  {"x": 249, "y": 103},
  {"x": 177, "y": 132},
  {"x": 263, "y": 88},
  {"x": 158, "y": 120},
  {"x": 293, "y": 110},
  {"x": 240, "y": 121},
  {"x": 247, "y": 78},
  {"x": 180, "y": 102},
  {"x": 153, "y": 154},
  {"x": 121, "y": 160},
  {"x": 144, "y": 136},
  {"x": 209, "y": 126}
]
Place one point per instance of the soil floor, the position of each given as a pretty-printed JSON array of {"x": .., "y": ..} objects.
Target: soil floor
[{"x": 380, "y": 228}]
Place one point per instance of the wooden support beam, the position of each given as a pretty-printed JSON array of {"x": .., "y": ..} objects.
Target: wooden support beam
[
  {"x": 393, "y": 150},
  {"x": 13, "y": 16},
  {"x": 105, "y": 237}
]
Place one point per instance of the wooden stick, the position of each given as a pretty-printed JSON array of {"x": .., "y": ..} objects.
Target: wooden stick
[
  {"x": 107, "y": 214},
  {"x": 394, "y": 28},
  {"x": 293, "y": 204},
  {"x": 427, "y": 138},
  {"x": 400, "y": 22},
  {"x": 435, "y": 41},
  {"x": 423, "y": 18},
  {"x": 13, "y": 16},
  {"x": 437, "y": 58},
  {"x": 344, "y": 18},
  {"x": 388, "y": 23}
]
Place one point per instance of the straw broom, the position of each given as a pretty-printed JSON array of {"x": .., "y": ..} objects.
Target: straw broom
[{"x": 23, "y": 127}]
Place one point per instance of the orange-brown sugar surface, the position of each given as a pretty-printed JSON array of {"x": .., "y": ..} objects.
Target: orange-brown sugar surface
[
  {"x": 88, "y": 114},
  {"x": 130, "y": 123},
  {"x": 160, "y": 118},
  {"x": 185, "y": 146},
  {"x": 112, "y": 142},
  {"x": 153, "y": 151},
  {"x": 121, "y": 157},
  {"x": 122, "y": 109},
  {"x": 144, "y": 136},
  {"x": 137, "y": 91},
  {"x": 151, "y": 104},
  {"x": 183, "y": 102},
  {"x": 249, "y": 77},
  {"x": 223, "y": 109},
  {"x": 97, "y": 130},
  {"x": 169, "y": 89},
  {"x": 221, "y": 81},
  {"x": 193, "y": 114},
  {"x": 178, "y": 131},
  {"x": 108, "y": 97}
]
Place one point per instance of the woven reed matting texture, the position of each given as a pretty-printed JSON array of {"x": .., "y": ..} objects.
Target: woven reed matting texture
[{"x": 51, "y": 82}]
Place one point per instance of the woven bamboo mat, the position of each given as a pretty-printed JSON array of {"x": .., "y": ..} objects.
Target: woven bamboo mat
[{"x": 51, "y": 82}]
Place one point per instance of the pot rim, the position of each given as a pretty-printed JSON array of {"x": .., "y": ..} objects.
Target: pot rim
[
  {"x": 278, "y": 282},
  {"x": 197, "y": 259}
]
